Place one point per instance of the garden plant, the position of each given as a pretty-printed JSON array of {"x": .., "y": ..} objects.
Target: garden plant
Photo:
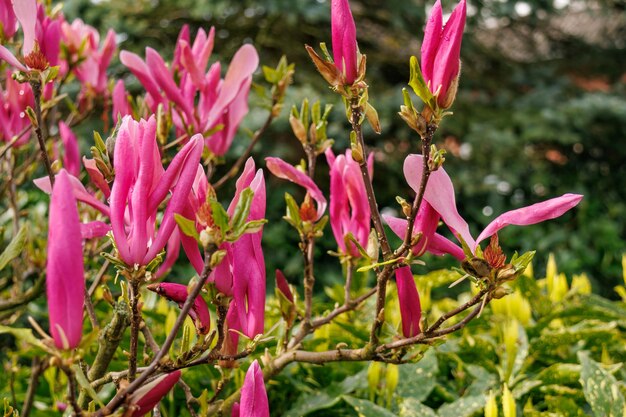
[{"x": 102, "y": 313}]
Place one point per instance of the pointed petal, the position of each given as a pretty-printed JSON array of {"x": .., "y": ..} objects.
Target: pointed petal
[
  {"x": 8, "y": 56},
  {"x": 288, "y": 172},
  {"x": 71, "y": 157},
  {"x": 65, "y": 275},
  {"x": 537, "y": 213},
  {"x": 430, "y": 44},
  {"x": 94, "y": 229},
  {"x": 409, "y": 300},
  {"x": 149, "y": 395},
  {"x": 178, "y": 294},
  {"x": 446, "y": 65},
  {"x": 344, "y": 39},
  {"x": 254, "y": 401},
  {"x": 439, "y": 194},
  {"x": 26, "y": 13}
]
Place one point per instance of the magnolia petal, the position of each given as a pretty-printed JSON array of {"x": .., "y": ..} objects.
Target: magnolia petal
[
  {"x": 94, "y": 229},
  {"x": 26, "y": 13},
  {"x": 430, "y": 44},
  {"x": 65, "y": 274},
  {"x": 144, "y": 399},
  {"x": 6, "y": 55},
  {"x": 71, "y": 157},
  {"x": 288, "y": 172},
  {"x": 344, "y": 39},
  {"x": 254, "y": 402},
  {"x": 80, "y": 193},
  {"x": 439, "y": 194},
  {"x": 536, "y": 213},
  {"x": 409, "y": 300},
  {"x": 178, "y": 294}
]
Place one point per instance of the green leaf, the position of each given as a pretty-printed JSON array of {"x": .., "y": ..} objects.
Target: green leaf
[
  {"x": 24, "y": 335},
  {"x": 188, "y": 227},
  {"x": 463, "y": 407},
  {"x": 220, "y": 216},
  {"x": 242, "y": 210},
  {"x": 293, "y": 212},
  {"x": 600, "y": 388},
  {"x": 84, "y": 384},
  {"x": 410, "y": 407},
  {"x": 418, "y": 84},
  {"x": 521, "y": 262},
  {"x": 422, "y": 376},
  {"x": 365, "y": 408},
  {"x": 15, "y": 247}
]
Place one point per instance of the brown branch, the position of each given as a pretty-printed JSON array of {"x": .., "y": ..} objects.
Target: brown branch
[
  {"x": 135, "y": 320},
  {"x": 119, "y": 398},
  {"x": 91, "y": 312},
  {"x": 38, "y": 366},
  {"x": 39, "y": 131}
]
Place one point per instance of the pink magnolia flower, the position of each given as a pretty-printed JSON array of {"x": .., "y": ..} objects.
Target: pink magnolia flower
[
  {"x": 14, "y": 100},
  {"x": 283, "y": 170},
  {"x": 254, "y": 402},
  {"x": 409, "y": 299},
  {"x": 344, "y": 40},
  {"x": 349, "y": 208},
  {"x": 177, "y": 293},
  {"x": 83, "y": 42},
  {"x": 202, "y": 100},
  {"x": 141, "y": 184},
  {"x": 71, "y": 154},
  {"x": 65, "y": 275},
  {"x": 144, "y": 399},
  {"x": 439, "y": 195},
  {"x": 7, "y": 19},
  {"x": 242, "y": 272},
  {"x": 42, "y": 36},
  {"x": 441, "y": 50}
]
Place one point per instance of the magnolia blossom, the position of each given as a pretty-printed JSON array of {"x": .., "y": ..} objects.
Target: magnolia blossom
[
  {"x": 344, "y": 40},
  {"x": 349, "y": 208},
  {"x": 242, "y": 272},
  {"x": 7, "y": 19},
  {"x": 283, "y": 170},
  {"x": 121, "y": 105},
  {"x": 65, "y": 275},
  {"x": 200, "y": 100},
  {"x": 409, "y": 299},
  {"x": 42, "y": 36},
  {"x": 14, "y": 99},
  {"x": 441, "y": 50},
  {"x": 141, "y": 184},
  {"x": 144, "y": 399},
  {"x": 254, "y": 402},
  {"x": 439, "y": 195},
  {"x": 83, "y": 42},
  {"x": 177, "y": 293}
]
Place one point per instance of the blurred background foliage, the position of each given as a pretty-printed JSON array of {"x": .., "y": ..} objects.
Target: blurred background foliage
[{"x": 541, "y": 109}]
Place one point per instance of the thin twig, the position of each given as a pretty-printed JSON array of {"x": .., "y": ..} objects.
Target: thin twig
[
  {"x": 35, "y": 372},
  {"x": 91, "y": 312},
  {"x": 119, "y": 398},
  {"x": 135, "y": 320},
  {"x": 39, "y": 131}
]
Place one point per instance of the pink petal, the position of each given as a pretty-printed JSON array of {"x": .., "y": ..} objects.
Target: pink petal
[
  {"x": 178, "y": 293},
  {"x": 409, "y": 299},
  {"x": 344, "y": 39},
  {"x": 440, "y": 194},
  {"x": 143, "y": 74},
  {"x": 94, "y": 229},
  {"x": 6, "y": 55},
  {"x": 80, "y": 193},
  {"x": 546, "y": 210},
  {"x": 243, "y": 65},
  {"x": 26, "y": 13},
  {"x": 430, "y": 44},
  {"x": 65, "y": 275},
  {"x": 283, "y": 285},
  {"x": 446, "y": 65},
  {"x": 149, "y": 395},
  {"x": 288, "y": 172},
  {"x": 254, "y": 402},
  {"x": 96, "y": 176}
]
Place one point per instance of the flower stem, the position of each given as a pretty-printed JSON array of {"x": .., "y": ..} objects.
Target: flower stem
[{"x": 39, "y": 131}]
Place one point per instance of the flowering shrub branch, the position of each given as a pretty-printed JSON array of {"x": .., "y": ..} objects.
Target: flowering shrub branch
[{"x": 150, "y": 192}]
